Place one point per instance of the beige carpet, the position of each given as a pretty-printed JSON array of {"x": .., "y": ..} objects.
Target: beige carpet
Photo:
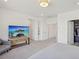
[{"x": 26, "y": 51}]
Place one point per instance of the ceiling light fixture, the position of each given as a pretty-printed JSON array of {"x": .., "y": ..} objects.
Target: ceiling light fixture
[
  {"x": 5, "y": 0},
  {"x": 77, "y": 3},
  {"x": 44, "y": 3}
]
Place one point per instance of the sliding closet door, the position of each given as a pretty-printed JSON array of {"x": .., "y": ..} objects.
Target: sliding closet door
[
  {"x": 70, "y": 32},
  {"x": 35, "y": 30},
  {"x": 40, "y": 30},
  {"x": 43, "y": 30}
]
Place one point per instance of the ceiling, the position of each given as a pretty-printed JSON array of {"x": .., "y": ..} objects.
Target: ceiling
[{"x": 32, "y": 7}]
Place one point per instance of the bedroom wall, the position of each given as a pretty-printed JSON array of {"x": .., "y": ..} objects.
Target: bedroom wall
[
  {"x": 0, "y": 21},
  {"x": 63, "y": 30},
  {"x": 9, "y": 17}
]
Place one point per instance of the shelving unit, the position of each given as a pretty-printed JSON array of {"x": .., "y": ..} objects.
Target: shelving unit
[{"x": 76, "y": 31}]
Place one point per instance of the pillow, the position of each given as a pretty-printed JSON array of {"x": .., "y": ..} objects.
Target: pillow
[{"x": 1, "y": 42}]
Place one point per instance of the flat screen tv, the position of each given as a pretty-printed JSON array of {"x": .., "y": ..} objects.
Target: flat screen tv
[{"x": 15, "y": 31}]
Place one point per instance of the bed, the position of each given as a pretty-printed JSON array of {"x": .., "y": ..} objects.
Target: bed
[{"x": 57, "y": 51}]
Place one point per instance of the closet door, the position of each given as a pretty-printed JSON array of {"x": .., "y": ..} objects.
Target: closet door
[
  {"x": 43, "y": 30},
  {"x": 70, "y": 32},
  {"x": 35, "y": 30},
  {"x": 52, "y": 31},
  {"x": 40, "y": 30}
]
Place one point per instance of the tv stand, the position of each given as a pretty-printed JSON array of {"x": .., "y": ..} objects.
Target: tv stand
[{"x": 19, "y": 40}]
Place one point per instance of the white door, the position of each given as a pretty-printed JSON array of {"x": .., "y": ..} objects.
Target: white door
[{"x": 52, "y": 31}]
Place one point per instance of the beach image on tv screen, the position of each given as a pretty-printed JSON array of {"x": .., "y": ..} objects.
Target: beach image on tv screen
[{"x": 15, "y": 31}]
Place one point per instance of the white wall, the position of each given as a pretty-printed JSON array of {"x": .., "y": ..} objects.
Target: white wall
[
  {"x": 63, "y": 20},
  {"x": 8, "y": 17}
]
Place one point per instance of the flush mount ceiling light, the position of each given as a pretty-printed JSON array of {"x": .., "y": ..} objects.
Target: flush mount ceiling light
[
  {"x": 44, "y": 3},
  {"x": 5, "y": 0},
  {"x": 77, "y": 3}
]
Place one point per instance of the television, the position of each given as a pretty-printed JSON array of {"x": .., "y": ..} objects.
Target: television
[{"x": 15, "y": 31}]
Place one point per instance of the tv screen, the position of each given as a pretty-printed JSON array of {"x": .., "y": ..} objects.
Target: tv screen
[{"x": 15, "y": 31}]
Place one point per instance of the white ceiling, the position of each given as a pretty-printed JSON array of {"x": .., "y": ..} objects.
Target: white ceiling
[{"x": 32, "y": 8}]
